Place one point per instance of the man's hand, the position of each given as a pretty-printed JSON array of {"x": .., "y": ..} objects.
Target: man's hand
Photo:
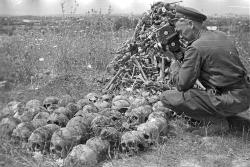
[
  {"x": 175, "y": 66},
  {"x": 174, "y": 69}
]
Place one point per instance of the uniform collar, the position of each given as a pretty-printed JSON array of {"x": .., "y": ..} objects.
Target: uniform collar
[{"x": 201, "y": 31}]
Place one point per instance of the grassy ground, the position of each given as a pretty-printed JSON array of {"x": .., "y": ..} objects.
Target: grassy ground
[{"x": 187, "y": 150}]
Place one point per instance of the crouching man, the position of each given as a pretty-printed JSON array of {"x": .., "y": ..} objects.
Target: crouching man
[{"x": 212, "y": 59}]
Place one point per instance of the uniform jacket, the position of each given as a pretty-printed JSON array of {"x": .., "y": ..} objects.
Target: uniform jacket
[{"x": 214, "y": 60}]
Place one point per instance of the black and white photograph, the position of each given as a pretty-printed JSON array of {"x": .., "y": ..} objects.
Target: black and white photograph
[{"x": 124, "y": 83}]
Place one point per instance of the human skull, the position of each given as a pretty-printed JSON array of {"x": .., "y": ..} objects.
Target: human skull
[
  {"x": 29, "y": 113},
  {"x": 39, "y": 122},
  {"x": 62, "y": 141},
  {"x": 158, "y": 106},
  {"x": 153, "y": 99},
  {"x": 7, "y": 125},
  {"x": 120, "y": 105},
  {"x": 52, "y": 108},
  {"x": 120, "y": 97},
  {"x": 159, "y": 119},
  {"x": 88, "y": 117},
  {"x": 73, "y": 109},
  {"x": 83, "y": 102},
  {"x": 18, "y": 110},
  {"x": 15, "y": 107},
  {"x": 150, "y": 132},
  {"x": 132, "y": 142},
  {"x": 41, "y": 115},
  {"x": 115, "y": 117},
  {"x": 98, "y": 123},
  {"x": 62, "y": 110},
  {"x": 40, "y": 138},
  {"x": 107, "y": 97},
  {"x": 6, "y": 112},
  {"x": 58, "y": 119},
  {"x": 81, "y": 155},
  {"x": 138, "y": 115},
  {"x": 137, "y": 102},
  {"x": 93, "y": 97},
  {"x": 102, "y": 105},
  {"x": 65, "y": 100},
  {"x": 100, "y": 146},
  {"x": 49, "y": 101},
  {"x": 33, "y": 104},
  {"x": 77, "y": 125},
  {"x": 22, "y": 132},
  {"x": 112, "y": 135},
  {"x": 90, "y": 108},
  {"x": 157, "y": 114}
]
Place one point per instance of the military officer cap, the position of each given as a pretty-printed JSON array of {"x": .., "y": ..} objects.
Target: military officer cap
[{"x": 190, "y": 13}]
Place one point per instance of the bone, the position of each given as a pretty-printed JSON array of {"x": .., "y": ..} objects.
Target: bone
[
  {"x": 7, "y": 125},
  {"x": 132, "y": 142},
  {"x": 153, "y": 37},
  {"x": 48, "y": 101},
  {"x": 88, "y": 117},
  {"x": 39, "y": 140},
  {"x": 62, "y": 141},
  {"x": 33, "y": 103},
  {"x": 81, "y": 155},
  {"x": 83, "y": 102},
  {"x": 92, "y": 97},
  {"x": 139, "y": 101},
  {"x": 58, "y": 119},
  {"x": 141, "y": 70},
  {"x": 79, "y": 127},
  {"x": 22, "y": 132},
  {"x": 100, "y": 146},
  {"x": 98, "y": 123},
  {"x": 101, "y": 105},
  {"x": 162, "y": 70},
  {"x": 151, "y": 133},
  {"x": 159, "y": 119},
  {"x": 138, "y": 115},
  {"x": 113, "y": 79}
]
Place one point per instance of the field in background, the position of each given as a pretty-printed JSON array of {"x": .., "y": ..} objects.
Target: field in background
[
  {"x": 42, "y": 56},
  {"x": 39, "y": 51}
]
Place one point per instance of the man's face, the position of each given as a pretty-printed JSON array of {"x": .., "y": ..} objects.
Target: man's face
[{"x": 185, "y": 29}]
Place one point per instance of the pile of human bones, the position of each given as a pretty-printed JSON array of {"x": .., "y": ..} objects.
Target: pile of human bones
[
  {"x": 86, "y": 131},
  {"x": 143, "y": 61}
]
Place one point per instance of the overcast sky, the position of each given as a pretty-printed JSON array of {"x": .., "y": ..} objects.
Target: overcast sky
[{"x": 52, "y": 7}]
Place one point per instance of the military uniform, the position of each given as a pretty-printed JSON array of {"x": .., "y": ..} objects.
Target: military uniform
[{"x": 214, "y": 61}]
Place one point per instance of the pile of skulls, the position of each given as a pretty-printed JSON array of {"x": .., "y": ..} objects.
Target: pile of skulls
[
  {"x": 88, "y": 130},
  {"x": 143, "y": 61}
]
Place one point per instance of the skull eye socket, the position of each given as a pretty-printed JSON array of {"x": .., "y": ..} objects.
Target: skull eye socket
[
  {"x": 47, "y": 105},
  {"x": 36, "y": 146},
  {"x": 123, "y": 110},
  {"x": 146, "y": 136},
  {"x": 114, "y": 119},
  {"x": 141, "y": 147},
  {"x": 134, "y": 117},
  {"x": 49, "y": 122},
  {"x": 53, "y": 151},
  {"x": 123, "y": 144},
  {"x": 58, "y": 148},
  {"x": 57, "y": 123},
  {"x": 130, "y": 144}
]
